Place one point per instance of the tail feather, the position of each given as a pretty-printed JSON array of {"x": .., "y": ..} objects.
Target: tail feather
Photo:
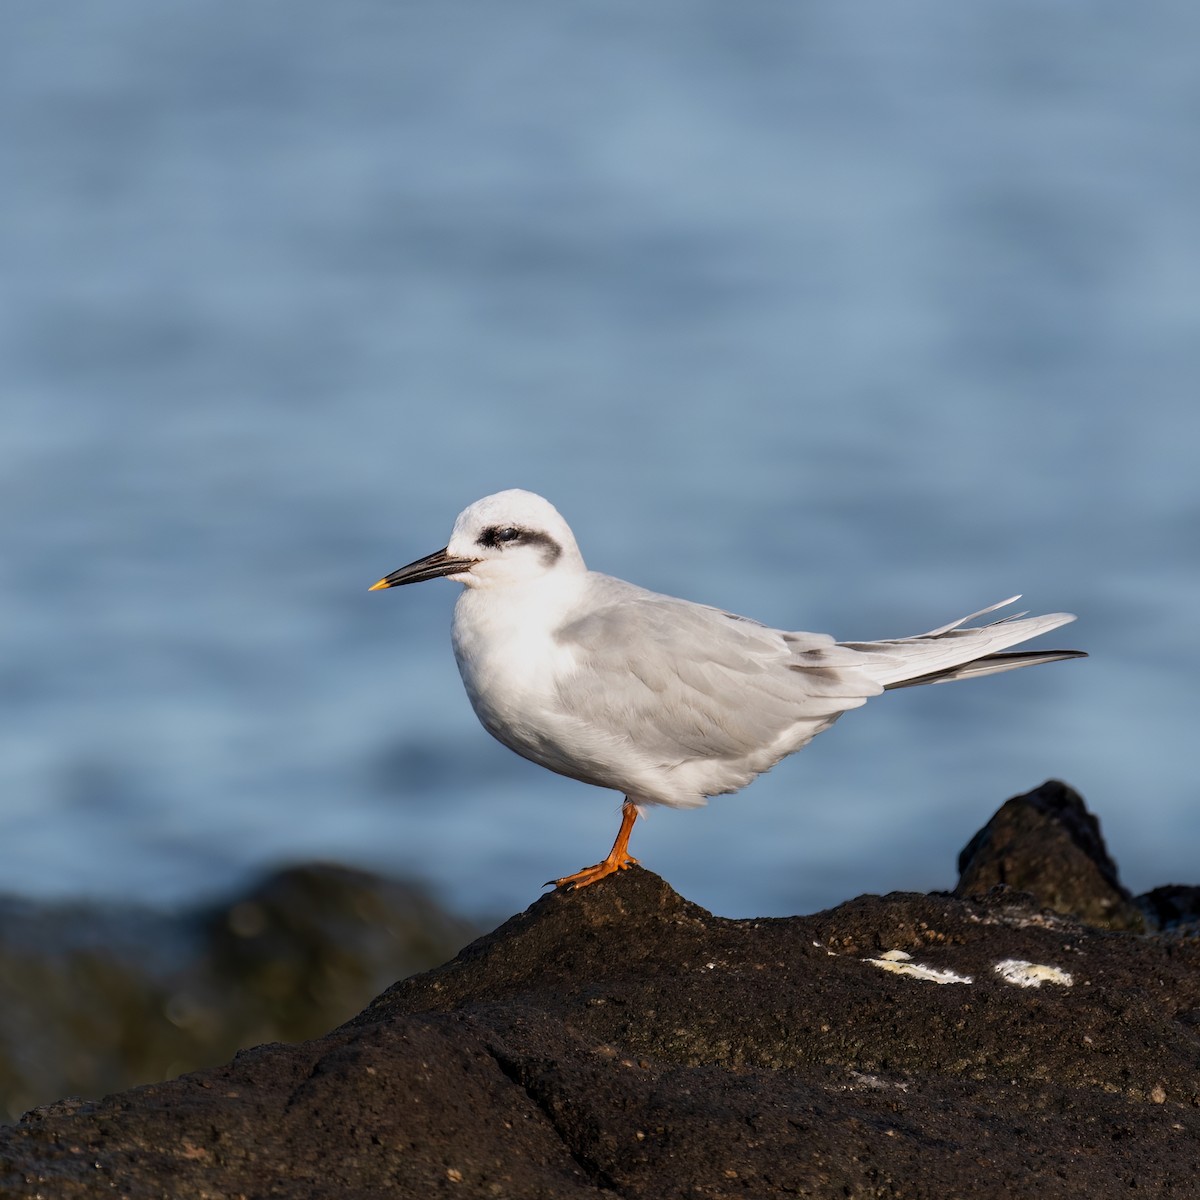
[
  {"x": 983, "y": 612},
  {"x": 959, "y": 651}
]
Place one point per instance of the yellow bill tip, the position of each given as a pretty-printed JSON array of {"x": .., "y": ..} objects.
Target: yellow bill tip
[{"x": 376, "y": 586}]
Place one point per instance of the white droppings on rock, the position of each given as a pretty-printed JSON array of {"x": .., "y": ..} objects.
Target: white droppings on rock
[
  {"x": 862, "y": 1080},
  {"x": 1024, "y": 974},
  {"x": 900, "y": 963},
  {"x": 1019, "y": 918}
]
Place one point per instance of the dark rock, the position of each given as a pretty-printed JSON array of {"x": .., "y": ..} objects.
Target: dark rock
[
  {"x": 94, "y": 1000},
  {"x": 1046, "y": 843},
  {"x": 1173, "y": 907},
  {"x": 622, "y": 1041}
]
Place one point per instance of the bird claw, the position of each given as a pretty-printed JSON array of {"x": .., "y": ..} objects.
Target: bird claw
[{"x": 590, "y": 875}]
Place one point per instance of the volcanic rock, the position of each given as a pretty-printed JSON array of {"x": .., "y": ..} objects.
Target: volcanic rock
[
  {"x": 622, "y": 1041},
  {"x": 1048, "y": 844}
]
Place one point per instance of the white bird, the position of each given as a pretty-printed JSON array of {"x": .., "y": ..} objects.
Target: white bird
[{"x": 667, "y": 701}]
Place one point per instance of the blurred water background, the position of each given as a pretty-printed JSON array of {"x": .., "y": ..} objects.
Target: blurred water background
[{"x": 852, "y": 318}]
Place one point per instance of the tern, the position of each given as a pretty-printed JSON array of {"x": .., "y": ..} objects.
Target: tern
[{"x": 666, "y": 701}]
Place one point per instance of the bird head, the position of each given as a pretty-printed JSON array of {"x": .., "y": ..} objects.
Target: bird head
[{"x": 510, "y": 537}]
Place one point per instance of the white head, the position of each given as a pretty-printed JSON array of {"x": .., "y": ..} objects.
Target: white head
[{"x": 511, "y": 537}]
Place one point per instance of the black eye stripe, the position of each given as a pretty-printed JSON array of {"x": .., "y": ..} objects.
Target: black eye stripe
[{"x": 499, "y": 536}]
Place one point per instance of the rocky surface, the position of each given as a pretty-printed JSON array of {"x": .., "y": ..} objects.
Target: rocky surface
[
  {"x": 94, "y": 1000},
  {"x": 622, "y": 1041}
]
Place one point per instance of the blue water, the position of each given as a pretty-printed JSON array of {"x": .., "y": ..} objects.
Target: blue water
[{"x": 849, "y": 317}]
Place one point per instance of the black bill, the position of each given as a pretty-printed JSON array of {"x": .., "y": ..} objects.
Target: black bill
[{"x": 432, "y": 566}]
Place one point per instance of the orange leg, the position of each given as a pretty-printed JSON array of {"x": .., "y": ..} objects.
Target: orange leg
[{"x": 618, "y": 858}]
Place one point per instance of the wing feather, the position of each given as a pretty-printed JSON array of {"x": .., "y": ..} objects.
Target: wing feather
[{"x": 715, "y": 685}]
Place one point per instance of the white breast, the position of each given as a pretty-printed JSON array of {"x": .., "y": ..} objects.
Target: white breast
[{"x": 511, "y": 664}]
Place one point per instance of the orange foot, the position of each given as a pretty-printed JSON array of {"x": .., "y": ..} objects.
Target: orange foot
[
  {"x": 619, "y": 858},
  {"x": 590, "y": 875}
]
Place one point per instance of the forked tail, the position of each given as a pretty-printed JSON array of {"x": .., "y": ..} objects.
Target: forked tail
[{"x": 958, "y": 652}]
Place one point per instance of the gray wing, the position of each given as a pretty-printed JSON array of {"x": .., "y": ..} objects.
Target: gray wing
[{"x": 691, "y": 681}]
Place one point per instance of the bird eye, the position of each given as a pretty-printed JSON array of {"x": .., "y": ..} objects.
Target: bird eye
[{"x": 499, "y": 535}]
